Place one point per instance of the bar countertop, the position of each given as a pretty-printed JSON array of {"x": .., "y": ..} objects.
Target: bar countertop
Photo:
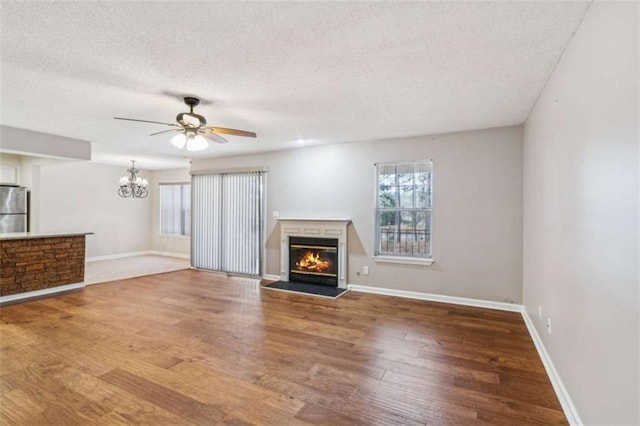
[{"x": 32, "y": 235}]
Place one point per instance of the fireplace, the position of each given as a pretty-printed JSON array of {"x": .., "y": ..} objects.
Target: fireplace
[
  {"x": 314, "y": 251},
  {"x": 313, "y": 260}
]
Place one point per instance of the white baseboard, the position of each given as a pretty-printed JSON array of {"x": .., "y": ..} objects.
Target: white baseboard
[
  {"x": 137, "y": 253},
  {"x": 116, "y": 256},
  {"x": 561, "y": 392},
  {"x": 43, "y": 292},
  {"x": 271, "y": 277},
  {"x": 511, "y": 307},
  {"x": 169, "y": 254}
]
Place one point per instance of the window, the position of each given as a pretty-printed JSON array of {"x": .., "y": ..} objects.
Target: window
[
  {"x": 175, "y": 209},
  {"x": 403, "y": 210}
]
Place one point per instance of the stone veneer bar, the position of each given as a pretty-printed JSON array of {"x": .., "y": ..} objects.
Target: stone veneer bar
[{"x": 32, "y": 262}]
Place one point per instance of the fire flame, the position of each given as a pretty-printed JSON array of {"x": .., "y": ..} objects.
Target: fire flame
[{"x": 311, "y": 262}]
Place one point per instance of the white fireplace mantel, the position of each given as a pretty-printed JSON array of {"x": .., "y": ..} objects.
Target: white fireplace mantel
[{"x": 319, "y": 228}]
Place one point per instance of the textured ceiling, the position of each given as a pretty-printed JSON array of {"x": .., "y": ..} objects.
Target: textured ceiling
[{"x": 324, "y": 72}]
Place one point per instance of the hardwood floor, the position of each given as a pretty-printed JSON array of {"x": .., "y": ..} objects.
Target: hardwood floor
[{"x": 192, "y": 347}]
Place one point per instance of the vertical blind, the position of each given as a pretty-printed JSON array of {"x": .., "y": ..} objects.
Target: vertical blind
[
  {"x": 175, "y": 209},
  {"x": 228, "y": 222}
]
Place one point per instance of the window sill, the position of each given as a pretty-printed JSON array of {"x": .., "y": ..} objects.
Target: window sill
[{"x": 403, "y": 260}]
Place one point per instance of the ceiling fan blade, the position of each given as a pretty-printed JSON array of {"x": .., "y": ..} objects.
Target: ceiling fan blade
[
  {"x": 164, "y": 131},
  {"x": 214, "y": 138},
  {"x": 146, "y": 121},
  {"x": 233, "y": 132}
]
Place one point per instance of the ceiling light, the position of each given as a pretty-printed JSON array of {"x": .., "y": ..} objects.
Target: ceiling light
[
  {"x": 133, "y": 185},
  {"x": 196, "y": 143},
  {"x": 179, "y": 140},
  {"x": 191, "y": 140}
]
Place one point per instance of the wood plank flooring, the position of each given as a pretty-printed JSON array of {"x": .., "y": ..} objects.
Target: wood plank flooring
[{"x": 193, "y": 347}]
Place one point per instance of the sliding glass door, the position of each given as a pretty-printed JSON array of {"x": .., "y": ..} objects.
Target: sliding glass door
[{"x": 227, "y": 228}]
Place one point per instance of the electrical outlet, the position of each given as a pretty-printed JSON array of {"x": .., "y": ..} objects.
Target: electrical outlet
[
  {"x": 549, "y": 325},
  {"x": 540, "y": 311},
  {"x": 365, "y": 270},
  {"x": 276, "y": 214}
]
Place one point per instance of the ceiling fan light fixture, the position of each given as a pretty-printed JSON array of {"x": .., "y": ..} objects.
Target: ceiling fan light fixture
[
  {"x": 179, "y": 140},
  {"x": 196, "y": 143}
]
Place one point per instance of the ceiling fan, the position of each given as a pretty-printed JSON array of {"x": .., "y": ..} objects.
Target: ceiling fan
[{"x": 193, "y": 132}]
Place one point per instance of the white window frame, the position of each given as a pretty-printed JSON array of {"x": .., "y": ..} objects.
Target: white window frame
[
  {"x": 187, "y": 216},
  {"x": 385, "y": 257}
]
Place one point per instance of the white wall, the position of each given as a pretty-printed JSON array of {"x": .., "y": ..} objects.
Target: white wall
[
  {"x": 477, "y": 217},
  {"x": 165, "y": 243},
  {"x": 581, "y": 215},
  {"x": 82, "y": 196}
]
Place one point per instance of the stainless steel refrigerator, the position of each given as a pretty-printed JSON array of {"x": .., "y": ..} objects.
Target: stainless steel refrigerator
[{"x": 13, "y": 209}]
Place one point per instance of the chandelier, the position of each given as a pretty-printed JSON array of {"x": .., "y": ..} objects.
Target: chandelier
[{"x": 133, "y": 185}]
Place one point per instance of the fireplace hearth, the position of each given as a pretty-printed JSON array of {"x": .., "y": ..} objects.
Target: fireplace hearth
[{"x": 313, "y": 260}]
